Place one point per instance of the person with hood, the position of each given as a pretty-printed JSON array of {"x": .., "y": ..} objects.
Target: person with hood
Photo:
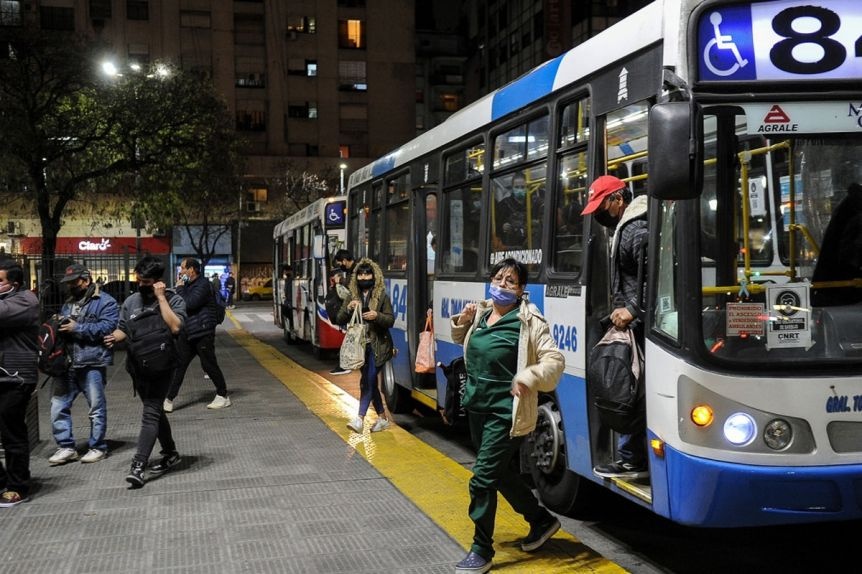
[
  {"x": 510, "y": 357},
  {"x": 151, "y": 378},
  {"x": 89, "y": 315},
  {"x": 19, "y": 331},
  {"x": 368, "y": 293},
  {"x": 611, "y": 205}
]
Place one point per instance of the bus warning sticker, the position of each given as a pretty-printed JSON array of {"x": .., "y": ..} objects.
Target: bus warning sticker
[
  {"x": 745, "y": 319},
  {"x": 789, "y": 317}
]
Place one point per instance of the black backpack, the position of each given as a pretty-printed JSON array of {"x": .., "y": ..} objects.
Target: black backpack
[
  {"x": 151, "y": 344},
  {"x": 220, "y": 306},
  {"x": 456, "y": 380},
  {"x": 54, "y": 359},
  {"x": 615, "y": 376}
]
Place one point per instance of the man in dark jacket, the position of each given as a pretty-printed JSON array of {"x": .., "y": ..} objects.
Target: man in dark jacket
[
  {"x": 19, "y": 329},
  {"x": 338, "y": 292},
  {"x": 91, "y": 315},
  {"x": 198, "y": 337},
  {"x": 612, "y": 206}
]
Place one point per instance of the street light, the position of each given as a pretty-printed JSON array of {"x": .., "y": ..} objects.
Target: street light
[{"x": 341, "y": 168}]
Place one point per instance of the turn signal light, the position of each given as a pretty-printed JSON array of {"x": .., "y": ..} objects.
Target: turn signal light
[
  {"x": 657, "y": 446},
  {"x": 702, "y": 415}
]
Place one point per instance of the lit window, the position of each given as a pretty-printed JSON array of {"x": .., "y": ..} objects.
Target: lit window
[{"x": 351, "y": 34}]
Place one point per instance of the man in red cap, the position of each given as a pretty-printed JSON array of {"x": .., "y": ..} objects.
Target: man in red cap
[{"x": 611, "y": 205}]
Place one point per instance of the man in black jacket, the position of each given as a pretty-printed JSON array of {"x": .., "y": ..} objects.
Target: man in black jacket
[
  {"x": 198, "y": 337},
  {"x": 612, "y": 206},
  {"x": 19, "y": 329}
]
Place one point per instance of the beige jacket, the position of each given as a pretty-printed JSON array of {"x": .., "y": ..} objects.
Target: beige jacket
[{"x": 540, "y": 363}]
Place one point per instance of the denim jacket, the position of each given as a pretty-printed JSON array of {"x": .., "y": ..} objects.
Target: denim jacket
[{"x": 98, "y": 317}]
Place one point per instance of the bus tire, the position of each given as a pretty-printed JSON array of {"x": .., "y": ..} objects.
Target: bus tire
[
  {"x": 546, "y": 457},
  {"x": 398, "y": 398}
]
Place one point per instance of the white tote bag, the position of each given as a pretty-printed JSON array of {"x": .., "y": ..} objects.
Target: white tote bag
[{"x": 352, "y": 354}]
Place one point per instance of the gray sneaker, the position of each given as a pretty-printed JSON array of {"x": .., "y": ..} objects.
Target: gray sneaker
[
  {"x": 62, "y": 456},
  {"x": 93, "y": 455}
]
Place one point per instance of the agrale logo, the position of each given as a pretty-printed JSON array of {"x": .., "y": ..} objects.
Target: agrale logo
[{"x": 777, "y": 120}]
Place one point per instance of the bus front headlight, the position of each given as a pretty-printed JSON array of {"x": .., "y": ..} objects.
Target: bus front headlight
[
  {"x": 777, "y": 434},
  {"x": 739, "y": 429}
]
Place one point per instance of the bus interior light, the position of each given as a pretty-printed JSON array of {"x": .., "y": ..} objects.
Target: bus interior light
[
  {"x": 777, "y": 434},
  {"x": 702, "y": 415},
  {"x": 739, "y": 429}
]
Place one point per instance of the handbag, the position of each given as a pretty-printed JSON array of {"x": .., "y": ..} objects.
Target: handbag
[
  {"x": 425, "y": 362},
  {"x": 352, "y": 354}
]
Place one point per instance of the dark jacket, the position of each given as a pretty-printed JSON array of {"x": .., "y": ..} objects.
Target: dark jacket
[
  {"x": 378, "y": 330},
  {"x": 98, "y": 317},
  {"x": 19, "y": 331},
  {"x": 200, "y": 308},
  {"x": 840, "y": 256},
  {"x": 627, "y": 250}
]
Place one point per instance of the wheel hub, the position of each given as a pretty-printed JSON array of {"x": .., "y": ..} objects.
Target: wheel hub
[{"x": 547, "y": 439}]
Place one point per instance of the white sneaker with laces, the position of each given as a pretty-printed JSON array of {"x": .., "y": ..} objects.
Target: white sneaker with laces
[
  {"x": 93, "y": 455},
  {"x": 356, "y": 424},
  {"x": 168, "y": 406},
  {"x": 206, "y": 376},
  {"x": 381, "y": 424},
  {"x": 62, "y": 456},
  {"x": 219, "y": 402}
]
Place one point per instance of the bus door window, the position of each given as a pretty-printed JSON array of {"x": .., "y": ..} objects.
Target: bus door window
[
  {"x": 375, "y": 222},
  {"x": 462, "y": 213},
  {"x": 397, "y": 223},
  {"x": 571, "y": 199},
  {"x": 430, "y": 235},
  {"x": 664, "y": 306}
]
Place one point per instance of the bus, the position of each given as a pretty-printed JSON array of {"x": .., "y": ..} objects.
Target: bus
[
  {"x": 741, "y": 122},
  {"x": 304, "y": 245}
]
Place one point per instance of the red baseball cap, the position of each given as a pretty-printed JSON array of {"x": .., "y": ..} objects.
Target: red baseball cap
[{"x": 602, "y": 187}]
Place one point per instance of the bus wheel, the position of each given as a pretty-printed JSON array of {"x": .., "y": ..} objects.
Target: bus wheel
[
  {"x": 547, "y": 459},
  {"x": 398, "y": 398}
]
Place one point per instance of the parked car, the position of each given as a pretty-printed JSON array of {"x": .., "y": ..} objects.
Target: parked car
[
  {"x": 120, "y": 290},
  {"x": 258, "y": 292}
]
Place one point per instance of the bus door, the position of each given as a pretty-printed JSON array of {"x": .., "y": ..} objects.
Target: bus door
[{"x": 420, "y": 273}]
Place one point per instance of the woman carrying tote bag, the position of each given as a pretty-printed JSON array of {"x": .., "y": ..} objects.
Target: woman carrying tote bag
[{"x": 369, "y": 295}]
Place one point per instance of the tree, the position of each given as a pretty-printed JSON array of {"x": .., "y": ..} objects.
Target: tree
[
  {"x": 297, "y": 186},
  {"x": 162, "y": 136}
]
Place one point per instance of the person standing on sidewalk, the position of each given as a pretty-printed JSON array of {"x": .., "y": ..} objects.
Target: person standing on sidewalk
[
  {"x": 369, "y": 293},
  {"x": 19, "y": 329},
  {"x": 230, "y": 285},
  {"x": 198, "y": 336},
  {"x": 510, "y": 356},
  {"x": 153, "y": 309},
  {"x": 90, "y": 315}
]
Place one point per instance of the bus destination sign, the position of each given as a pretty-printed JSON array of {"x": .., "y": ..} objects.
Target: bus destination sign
[{"x": 781, "y": 40}]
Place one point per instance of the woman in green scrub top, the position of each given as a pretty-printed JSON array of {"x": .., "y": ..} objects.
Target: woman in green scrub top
[{"x": 510, "y": 356}]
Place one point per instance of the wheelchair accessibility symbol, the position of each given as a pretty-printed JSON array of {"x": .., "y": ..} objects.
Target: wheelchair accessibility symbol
[{"x": 712, "y": 56}]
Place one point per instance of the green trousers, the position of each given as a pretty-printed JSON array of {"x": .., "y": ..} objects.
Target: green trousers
[{"x": 493, "y": 473}]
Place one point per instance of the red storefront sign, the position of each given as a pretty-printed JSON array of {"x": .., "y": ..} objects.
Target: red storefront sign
[{"x": 98, "y": 245}]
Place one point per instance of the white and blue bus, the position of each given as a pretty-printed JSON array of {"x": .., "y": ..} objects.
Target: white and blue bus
[
  {"x": 304, "y": 244},
  {"x": 742, "y": 121}
]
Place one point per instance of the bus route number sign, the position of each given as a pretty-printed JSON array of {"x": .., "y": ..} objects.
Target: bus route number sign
[{"x": 781, "y": 40}]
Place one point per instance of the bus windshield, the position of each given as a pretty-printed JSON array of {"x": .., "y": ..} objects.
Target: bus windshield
[{"x": 780, "y": 245}]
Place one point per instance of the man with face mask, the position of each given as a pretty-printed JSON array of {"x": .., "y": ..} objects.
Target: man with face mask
[
  {"x": 337, "y": 293},
  {"x": 19, "y": 328},
  {"x": 611, "y": 205},
  {"x": 89, "y": 315},
  {"x": 510, "y": 215}
]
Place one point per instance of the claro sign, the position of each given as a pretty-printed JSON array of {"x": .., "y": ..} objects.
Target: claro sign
[{"x": 86, "y": 245}]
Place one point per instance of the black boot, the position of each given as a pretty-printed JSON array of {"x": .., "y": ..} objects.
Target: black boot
[{"x": 136, "y": 474}]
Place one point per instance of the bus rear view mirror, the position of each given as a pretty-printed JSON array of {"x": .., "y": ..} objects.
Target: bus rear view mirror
[
  {"x": 318, "y": 247},
  {"x": 675, "y": 151}
]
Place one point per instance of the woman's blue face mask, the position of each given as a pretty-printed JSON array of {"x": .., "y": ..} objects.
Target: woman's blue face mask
[{"x": 503, "y": 297}]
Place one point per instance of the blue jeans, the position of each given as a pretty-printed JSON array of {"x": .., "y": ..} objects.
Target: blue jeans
[
  {"x": 91, "y": 382},
  {"x": 631, "y": 448},
  {"x": 369, "y": 392}
]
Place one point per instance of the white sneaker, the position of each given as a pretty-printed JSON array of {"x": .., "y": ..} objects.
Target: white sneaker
[
  {"x": 62, "y": 456},
  {"x": 168, "y": 406},
  {"x": 381, "y": 424},
  {"x": 93, "y": 455},
  {"x": 206, "y": 376},
  {"x": 219, "y": 402},
  {"x": 356, "y": 424}
]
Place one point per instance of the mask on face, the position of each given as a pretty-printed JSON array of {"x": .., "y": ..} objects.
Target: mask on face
[
  {"x": 184, "y": 277},
  {"x": 606, "y": 219},
  {"x": 77, "y": 292},
  {"x": 519, "y": 193},
  {"x": 365, "y": 284},
  {"x": 503, "y": 297},
  {"x": 146, "y": 291}
]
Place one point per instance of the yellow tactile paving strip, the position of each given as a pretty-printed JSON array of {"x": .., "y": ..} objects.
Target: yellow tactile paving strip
[{"x": 434, "y": 482}]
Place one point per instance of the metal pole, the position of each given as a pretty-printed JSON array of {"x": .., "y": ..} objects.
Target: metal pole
[{"x": 237, "y": 294}]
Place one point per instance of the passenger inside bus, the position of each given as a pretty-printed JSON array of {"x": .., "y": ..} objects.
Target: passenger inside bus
[
  {"x": 510, "y": 215},
  {"x": 841, "y": 252}
]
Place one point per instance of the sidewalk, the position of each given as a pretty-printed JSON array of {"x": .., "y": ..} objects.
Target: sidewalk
[{"x": 264, "y": 486}]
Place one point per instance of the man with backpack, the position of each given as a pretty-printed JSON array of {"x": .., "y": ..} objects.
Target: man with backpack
[
  {"x": 611, "y": 204},
  {"x": 150, "y": 320},
  {"x": 198, "y": 337},
  {"x": 86, "y": 317},
  {"x": 338, "y": 293},
  {"x": 19, "y": 327}
]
